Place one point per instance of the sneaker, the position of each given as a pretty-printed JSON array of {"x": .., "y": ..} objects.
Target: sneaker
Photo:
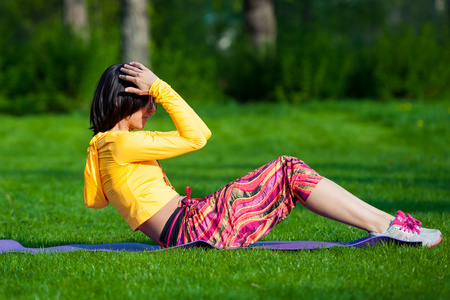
[{"x": 406, "y": 228}]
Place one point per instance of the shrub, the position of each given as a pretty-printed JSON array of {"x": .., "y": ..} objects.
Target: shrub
[{"x": 412, "y": 65}]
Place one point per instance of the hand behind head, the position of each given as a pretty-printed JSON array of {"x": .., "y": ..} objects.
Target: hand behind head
[{"x": 138, "y": 74}]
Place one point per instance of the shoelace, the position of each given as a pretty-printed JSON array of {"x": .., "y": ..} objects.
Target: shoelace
[{"x": 411, "y": 224}]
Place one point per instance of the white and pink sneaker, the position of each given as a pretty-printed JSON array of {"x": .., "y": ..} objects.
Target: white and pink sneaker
[{"x": 406, "y": 228}]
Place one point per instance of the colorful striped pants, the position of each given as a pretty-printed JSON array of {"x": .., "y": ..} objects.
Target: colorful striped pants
[{"x": 247, "y": 209}]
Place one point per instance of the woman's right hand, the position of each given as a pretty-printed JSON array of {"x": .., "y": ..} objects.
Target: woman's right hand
[{"x": 138, "y": 74}]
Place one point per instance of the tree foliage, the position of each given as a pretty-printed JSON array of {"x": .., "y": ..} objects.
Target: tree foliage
[{"x": 325, "y": 49}]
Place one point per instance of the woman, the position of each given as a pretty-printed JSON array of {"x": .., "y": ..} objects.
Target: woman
[{"x": 122, "y": 168}]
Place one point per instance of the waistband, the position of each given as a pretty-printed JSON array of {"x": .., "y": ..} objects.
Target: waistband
[{"x": 169, "y": 234}]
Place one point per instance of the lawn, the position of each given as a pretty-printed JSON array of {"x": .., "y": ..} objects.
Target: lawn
[{"x": 393, "y": 155}]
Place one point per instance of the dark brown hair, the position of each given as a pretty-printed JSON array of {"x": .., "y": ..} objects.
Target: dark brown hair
[{"x": 111, "y": 103}]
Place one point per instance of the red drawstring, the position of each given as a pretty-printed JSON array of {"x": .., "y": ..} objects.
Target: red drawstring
[{"x": 188, "y": 192}]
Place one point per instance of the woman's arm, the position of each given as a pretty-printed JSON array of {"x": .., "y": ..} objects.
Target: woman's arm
[
  {"x": 181, "y": 113},
  {"x": 198, "y": 121},
  {"x": 144, "y": 78},
  {"x": 191, "y": 133}
]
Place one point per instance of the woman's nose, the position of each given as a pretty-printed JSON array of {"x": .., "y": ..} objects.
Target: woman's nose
[{"x": 152, "y": 107}]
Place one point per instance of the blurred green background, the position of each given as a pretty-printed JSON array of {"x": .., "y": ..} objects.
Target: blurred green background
[{"x": 323, "y": 49}]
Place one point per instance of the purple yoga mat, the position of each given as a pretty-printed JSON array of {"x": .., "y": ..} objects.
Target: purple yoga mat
[{"x": 13, "y": 246}]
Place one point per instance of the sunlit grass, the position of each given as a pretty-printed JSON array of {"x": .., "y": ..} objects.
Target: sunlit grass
[{"x": 393, "y": 155}]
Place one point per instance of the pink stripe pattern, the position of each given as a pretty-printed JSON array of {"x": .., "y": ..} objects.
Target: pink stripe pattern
[{"x": 246, "y": 209}]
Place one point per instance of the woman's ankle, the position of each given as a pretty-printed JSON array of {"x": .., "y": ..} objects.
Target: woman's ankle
[{"x": 380, "y": 227}]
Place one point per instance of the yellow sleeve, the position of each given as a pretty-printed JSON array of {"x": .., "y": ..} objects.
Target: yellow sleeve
[
  {"x": 201, "y": 125},
  {"x": 191, "y": 134},
  {"x": 164, "y": 93}
]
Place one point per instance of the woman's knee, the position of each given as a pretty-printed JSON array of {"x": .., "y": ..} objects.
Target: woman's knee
[{"x": 289, "y": 159}]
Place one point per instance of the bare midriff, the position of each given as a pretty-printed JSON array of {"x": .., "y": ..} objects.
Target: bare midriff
[{"x": 155, "y": 225}]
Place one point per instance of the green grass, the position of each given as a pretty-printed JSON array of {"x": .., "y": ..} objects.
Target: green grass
[{"x": 393, "y": 155}]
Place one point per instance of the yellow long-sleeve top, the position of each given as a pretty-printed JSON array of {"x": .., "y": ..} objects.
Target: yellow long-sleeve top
[{"x": 122, "y": 168}]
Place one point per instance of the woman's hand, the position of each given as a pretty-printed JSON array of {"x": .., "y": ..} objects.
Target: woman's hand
[{"x": 138, "y": 74}]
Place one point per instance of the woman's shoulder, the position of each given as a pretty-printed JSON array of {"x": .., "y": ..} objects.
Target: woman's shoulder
[
  {"x": 113, "y": 135},
  {"x": 126, "y": 137}
]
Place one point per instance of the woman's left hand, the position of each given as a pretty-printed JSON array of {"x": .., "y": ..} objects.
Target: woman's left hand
[{"x": 138, "y": 74}]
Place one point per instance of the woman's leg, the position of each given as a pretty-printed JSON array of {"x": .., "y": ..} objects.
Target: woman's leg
[
  {"x": 332, "y": 201},
  {"x": 245, "y": 210}
]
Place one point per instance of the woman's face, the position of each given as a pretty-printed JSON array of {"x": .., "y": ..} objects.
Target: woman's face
[{"x": 139, "y": 118}]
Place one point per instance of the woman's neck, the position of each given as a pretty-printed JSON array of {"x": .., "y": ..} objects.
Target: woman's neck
[{"x": 121, "y": 126}]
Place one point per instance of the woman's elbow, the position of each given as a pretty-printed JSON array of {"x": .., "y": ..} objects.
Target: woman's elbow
[
  {"x": 199, "y": 143},
  {"x": 207, "y": 134},
  {"x": 203, "y": 142}
]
